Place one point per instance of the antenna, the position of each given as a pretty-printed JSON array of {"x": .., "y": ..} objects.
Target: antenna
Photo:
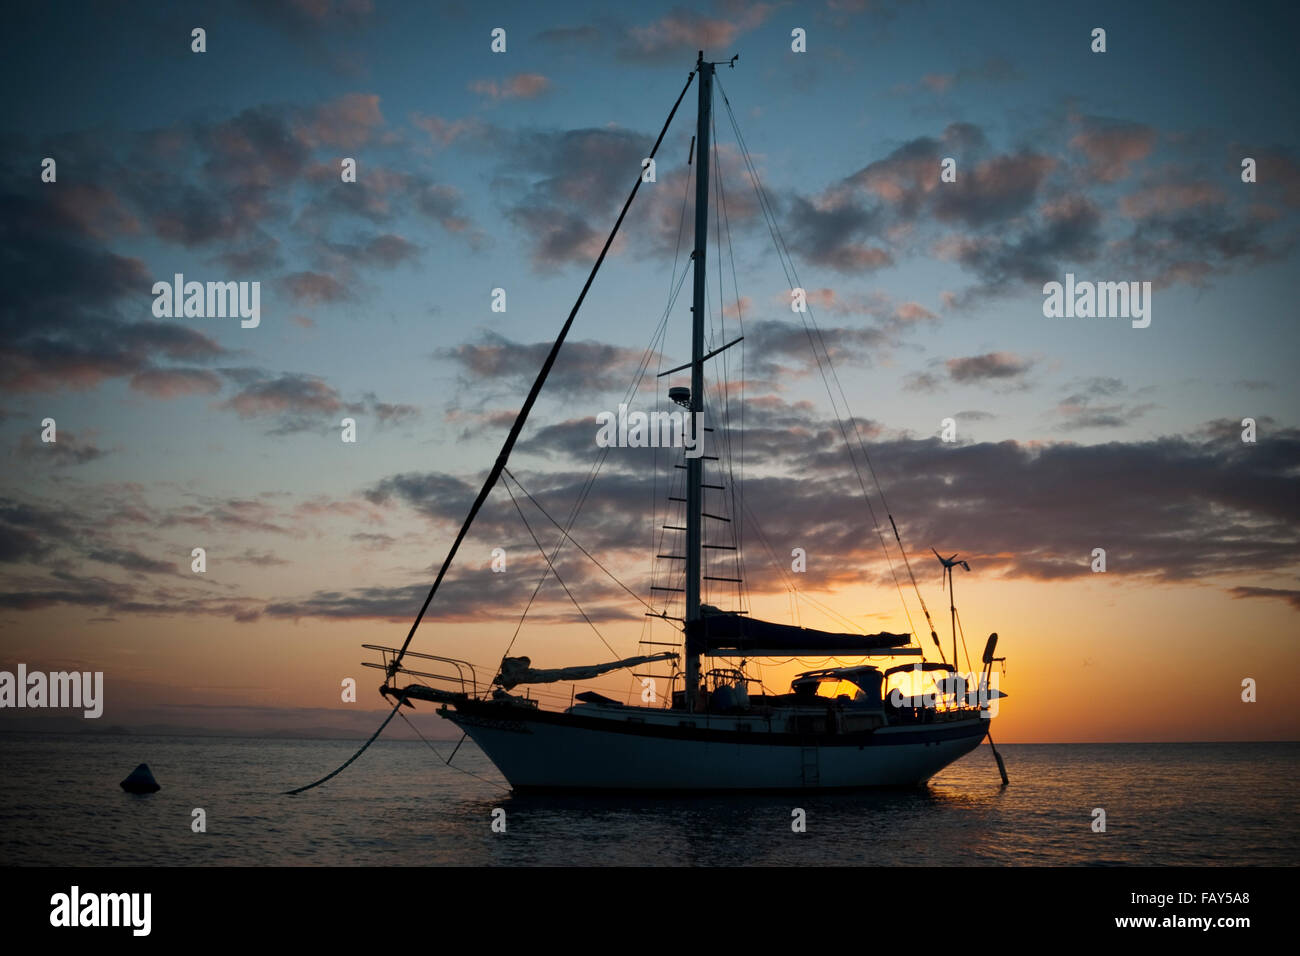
[{"x": 948, "y": 564}]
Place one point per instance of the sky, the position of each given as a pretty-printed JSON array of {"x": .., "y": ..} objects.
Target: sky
[{"x": 479, "y": 170}]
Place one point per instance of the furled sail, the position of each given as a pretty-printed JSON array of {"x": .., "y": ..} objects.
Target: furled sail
[
  {"x": 518, "y": 670},
  {"x": 724, "y": 635}
]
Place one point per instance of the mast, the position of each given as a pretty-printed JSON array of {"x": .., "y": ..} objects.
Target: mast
[{"x": 695, "y": 466}]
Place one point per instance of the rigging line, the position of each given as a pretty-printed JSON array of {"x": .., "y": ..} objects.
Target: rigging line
[
  {"x": 779, "y": 238},
  {"x": 831, "y": 612},
  {"x": 660, "y": 336},
  {"x": 725, "y": 379},
  {"x": 659, "y": 367},
  {"x": 518, "y": 425},
  {"x": 737, "y": 487},
  {"x": 448, "y": 763},
  {"x": 551, "y": 568},
  {"x": 590, "y": 481},
  {"x": 572, "y": 540},
  {"x": 594, "y": 473},
  {"x": 346, "y": 763},
  {"x": 643, "y": 366},
  {"x": 791, "y": 272},
  {"x": 962, "y": 631},
  {"x": 779, "y": 565}
]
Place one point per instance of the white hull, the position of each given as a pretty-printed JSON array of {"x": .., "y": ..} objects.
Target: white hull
[{"x": 562, "y": 753}]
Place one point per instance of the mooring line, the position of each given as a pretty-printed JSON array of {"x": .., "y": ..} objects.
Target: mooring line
[{"x": 290, "y": 793}]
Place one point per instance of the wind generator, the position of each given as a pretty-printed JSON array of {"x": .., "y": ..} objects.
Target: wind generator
[{"x": 948, "y": 564}]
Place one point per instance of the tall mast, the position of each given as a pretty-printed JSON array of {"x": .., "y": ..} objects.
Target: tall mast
[{"x": 695, "y": 466}]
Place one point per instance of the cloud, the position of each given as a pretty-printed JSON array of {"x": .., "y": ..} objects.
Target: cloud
[
  {"x": 260, "y": 559},
  {"x": 1068, "y": 230},
  {"x": 521, "y": 86},
  {"x": 443, "y": 132},
  {"x": 301, "y": 394},
  {"x": 1168, "y": 198},
  {"x": 296, "y": 402},
  {"x": 349, "y": 122},
  {"x": 773, "y": 341},
  {"x": 1025, "y": 511},
  {"x": 82, "y": 292},
  {"x": 134, "y": 561},
  {"x": 582, "y": 367},
  {"x": 174, "y": 382},
  {"x": 994, "y": 69},
  {"x": 315, "y": 288},
  {"x": 1290, "y": 596},
  {"x": 992, "y": 366},
  {"x": 827, "y": 232},
  {"x": 312, "y": 16},
  {"x": 1112, "y": 147},
  {"x": 1081, "y": 408},
  {"x": 68, "y": 450},
  {"x": 586, "y": 35},
  {"x": 678, "y": 35},
  {"x": 995, "y": 190}
]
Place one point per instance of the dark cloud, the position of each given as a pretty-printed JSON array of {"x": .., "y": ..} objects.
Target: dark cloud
[
  {"x": 83, "y": 294},
  {"x": 285, "y": 393},
  {"x": 1028, "y": 511},
  {"x": 569, "y": 179},
  {"x": 130, "y": 560},
  {"x": 67, "y": 450},
  {"x": 992, "y": 366},
  {"x": 1290, "y": 596},
  {"x": 582, "y": 367},
  {"x": 1068, "y": 231},
  {"x": 827, "y": 233},
  {"x": 994, "y": 191},
  {"x": 1003, "y": 369},
  {"x": 777, "y": 343},
  {"x": 294, "y": 402},
  {"x": 1094, "y": 403},
  {"x": 260, "y": 559},
  {"x": 308, "y": 17}
]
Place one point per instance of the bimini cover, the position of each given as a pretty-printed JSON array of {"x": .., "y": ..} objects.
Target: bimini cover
[{"x": 733, "y": 634}]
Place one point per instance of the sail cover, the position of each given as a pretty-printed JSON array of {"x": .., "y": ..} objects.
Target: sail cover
[
  {"x": 727, "y": 635},
  {"x": 519, "y": 670}
]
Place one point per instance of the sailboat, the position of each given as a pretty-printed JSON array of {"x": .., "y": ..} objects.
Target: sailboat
[{"x": 837, "y": 727}]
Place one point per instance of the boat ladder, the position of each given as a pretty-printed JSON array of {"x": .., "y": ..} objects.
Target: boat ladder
[{"x": 811, "y": 767}]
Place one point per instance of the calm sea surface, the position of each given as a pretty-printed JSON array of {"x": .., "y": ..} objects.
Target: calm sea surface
[{"x": 1195, "y": 804}]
